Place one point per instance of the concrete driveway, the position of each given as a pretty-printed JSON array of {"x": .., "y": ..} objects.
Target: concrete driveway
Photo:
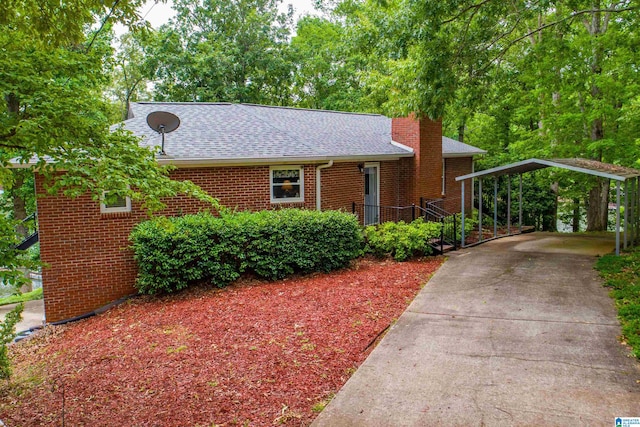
[{"x": 518, "y": 331}]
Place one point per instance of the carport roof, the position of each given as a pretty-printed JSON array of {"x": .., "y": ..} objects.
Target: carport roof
[{"x": 590, "y": 167}]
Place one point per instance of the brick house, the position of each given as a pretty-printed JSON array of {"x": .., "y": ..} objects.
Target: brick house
[{"x": 250, "y": 157}]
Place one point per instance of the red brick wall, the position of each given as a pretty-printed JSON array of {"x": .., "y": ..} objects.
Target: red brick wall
[
  {"x": 456, "y": 167},
  {"x": 421, "y": 175},
  {"x": 89, "y": 263},
  {"x": 343, "y": 184}
]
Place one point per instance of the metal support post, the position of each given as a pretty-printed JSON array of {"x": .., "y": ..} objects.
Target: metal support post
[
  {"x": 462, "y": 211},
  {"x": 509, "y": 205},
  {"x": 495, "y": 206},
  {"x": 480, "y": 210},
  {"x": 625, "y": 224},
  {"x": 520, "y": 206},
  {"x": 617, "y": 217}
]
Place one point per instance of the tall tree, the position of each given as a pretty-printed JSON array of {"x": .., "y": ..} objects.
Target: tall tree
[
  {"x": 129, "y": 72},
  {"x": 328, "y": 72},
  {"x": 215, "y": 50},
  {"x": 53, "y": 115},
  {"x": 568, "y": 67}
]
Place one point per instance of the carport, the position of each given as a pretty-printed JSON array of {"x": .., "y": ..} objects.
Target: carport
[{"x": 621, "y": 175}]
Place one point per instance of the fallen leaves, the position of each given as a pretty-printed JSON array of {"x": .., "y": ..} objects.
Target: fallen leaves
[{"x": 256, "y": 353}]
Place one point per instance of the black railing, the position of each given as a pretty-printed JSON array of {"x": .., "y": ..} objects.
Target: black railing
[
  {"x": 434, "y": 211},
  {"x": 30, "y": 224},
  {"x": 377, "y": 214}
]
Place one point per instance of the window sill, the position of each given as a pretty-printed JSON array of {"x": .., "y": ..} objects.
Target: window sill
[
  {"x": 286, "y": 201},
  {"x": 114, "y": 215}
]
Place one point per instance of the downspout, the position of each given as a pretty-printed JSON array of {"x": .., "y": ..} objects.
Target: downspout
[{"x": 319, "y": 184}]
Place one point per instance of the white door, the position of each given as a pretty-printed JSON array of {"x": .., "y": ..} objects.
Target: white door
[{"x": 371, "y": 193}]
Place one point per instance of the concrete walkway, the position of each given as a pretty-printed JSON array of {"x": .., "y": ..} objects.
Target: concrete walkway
[
  {"x": 518, "y": 331},
  {"x": 32, "y": 315}
]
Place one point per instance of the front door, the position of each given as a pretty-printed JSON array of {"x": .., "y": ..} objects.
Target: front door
[{"x": 371, "y": 193}]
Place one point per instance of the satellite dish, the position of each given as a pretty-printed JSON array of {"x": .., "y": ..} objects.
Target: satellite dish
[{"x": 163, "y": 122}]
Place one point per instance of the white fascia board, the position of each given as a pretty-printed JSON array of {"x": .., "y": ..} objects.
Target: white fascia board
[
  {"x": 455, "y": 155},
  {"x": 195, "y": 163},
  {"x": 203, "y": 162},
  {"x": 404, "y": 147}
]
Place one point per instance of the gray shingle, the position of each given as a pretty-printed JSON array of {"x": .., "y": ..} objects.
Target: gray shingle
[
  {"x": 451, "y": 147},
  {"x": 224, "y": 131}
]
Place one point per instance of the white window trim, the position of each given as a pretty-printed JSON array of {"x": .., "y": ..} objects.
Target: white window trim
[
  {"x": 288, "y": 199},
  {"x": 118, "y": 209},
  {"x": 375, "y": 165}
]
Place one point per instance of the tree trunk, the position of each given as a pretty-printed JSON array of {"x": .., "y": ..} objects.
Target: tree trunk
[
  {"x": 598, "y": 209},
  {"x": 551, "y": 216},
  {"x": 575, "y": 220},
  {"x": 19, "y": 205},
  {"x": 461, "y": 132}
]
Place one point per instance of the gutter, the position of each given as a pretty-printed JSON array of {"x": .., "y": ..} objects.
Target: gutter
[{"x": 319, "y": 184}]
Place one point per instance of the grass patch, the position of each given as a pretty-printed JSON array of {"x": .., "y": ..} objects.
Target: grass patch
[
  {"x": 27, "y": 296},
  {"x": 622, "y": 275}
]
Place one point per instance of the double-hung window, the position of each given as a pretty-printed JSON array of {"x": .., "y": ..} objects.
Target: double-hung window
[{"x": 287, "y": 184}]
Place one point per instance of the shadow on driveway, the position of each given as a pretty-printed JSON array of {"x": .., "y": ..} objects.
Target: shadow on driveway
[{"x": 518, "y": 331}]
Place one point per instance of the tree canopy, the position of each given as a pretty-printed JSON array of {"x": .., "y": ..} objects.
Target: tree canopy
[{"x": 55, "y": 116}]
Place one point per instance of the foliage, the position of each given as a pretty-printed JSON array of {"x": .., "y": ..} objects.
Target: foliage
[
  {"x": 129, "y": 73},
  {"x": 327, "y": 70},
  {"x": 280, "y": 243},
  {"x": 215, "y": 50},
  {"x": 7, "y": 333},
  {"x": 401, "y": 240},
  {"x": 27, "y": 296},
  {"x": 622, "y": 275},
  {"x": 173, "y": 253},
  {"x": 54, "y": 119},
  {"x": 520, "y": 79},
  {"x": 538, "y": 200},
  {"x": 469, "y": 224}
]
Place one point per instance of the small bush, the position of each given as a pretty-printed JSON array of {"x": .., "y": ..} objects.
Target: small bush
[
  {"x": 469, "y": 225},
  {"x": 7, "y": 334},
  {"x": 282, "y": 242},
  {"x": 173, "y": 253},
  {"x": 401, "y": 240},
  {"x": 622, "y": 275}
]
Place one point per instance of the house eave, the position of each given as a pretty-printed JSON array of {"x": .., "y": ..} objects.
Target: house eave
[
  {"x": 185, "y": 162},
  {"x": 204, "y": 162},
  {"x": 457, "y": 155}
]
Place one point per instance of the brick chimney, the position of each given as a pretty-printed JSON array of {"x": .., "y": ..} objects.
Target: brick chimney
[{"x": 421, "y": 175}]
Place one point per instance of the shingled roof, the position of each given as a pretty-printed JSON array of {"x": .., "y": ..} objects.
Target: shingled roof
[
  {"x": 247, "y": 133},
  {"x": 453, "y": 148}
]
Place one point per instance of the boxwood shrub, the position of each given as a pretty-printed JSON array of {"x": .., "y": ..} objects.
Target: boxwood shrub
[
  {"x": 173, "y": 253},
  {"x": 401, "y": 240}
]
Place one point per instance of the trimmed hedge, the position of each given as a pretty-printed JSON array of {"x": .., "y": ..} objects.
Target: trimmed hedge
[
  {"x": 401, "y": 240},
  {"x": 173, "y": 253}
]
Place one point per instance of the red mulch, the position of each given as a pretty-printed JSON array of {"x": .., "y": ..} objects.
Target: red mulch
[{"x": 256, "y": 353}]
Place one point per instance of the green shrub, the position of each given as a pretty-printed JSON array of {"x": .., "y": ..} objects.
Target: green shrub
[
  {"x": 7, "y": 334},
  {"x": 282, "y": 242},
  {"x": 469, "y": 225},
  {"x": 622, "y": 275},
  {"x": 173, "y": 253},
  {"x": 401, "y": 240}
]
